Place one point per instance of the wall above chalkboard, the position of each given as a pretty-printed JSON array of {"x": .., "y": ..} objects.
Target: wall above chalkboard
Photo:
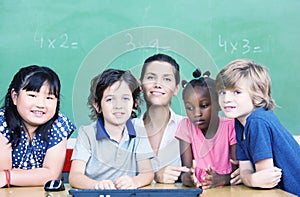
[{"x": 80, "y": 39}]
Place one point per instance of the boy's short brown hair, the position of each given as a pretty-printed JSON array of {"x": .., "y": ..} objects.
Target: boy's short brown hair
[{"x": 256, "y": 76}]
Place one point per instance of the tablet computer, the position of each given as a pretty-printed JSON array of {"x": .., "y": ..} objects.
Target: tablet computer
[{"x": 136, "y": 192}]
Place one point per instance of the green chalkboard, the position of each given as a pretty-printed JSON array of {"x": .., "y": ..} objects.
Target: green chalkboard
[{"x": 79, "y": 39}]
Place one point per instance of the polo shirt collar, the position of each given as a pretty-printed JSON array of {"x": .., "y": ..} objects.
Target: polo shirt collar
[{"x": 102, "y": 133}]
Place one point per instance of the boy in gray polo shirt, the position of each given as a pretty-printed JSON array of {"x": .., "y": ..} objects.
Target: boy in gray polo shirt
[{"x": 112, "y": 153}]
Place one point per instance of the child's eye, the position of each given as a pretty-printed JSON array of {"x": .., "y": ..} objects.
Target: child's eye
[
  {"x": 31, "y": 94},
  {"x": 222, "y": 92},
  {"x": 108, "y": 100},
  {"x": 51, "y": 97},
  {"x": 204, "y": 106},
  {"x": 237, "y": 92},
  {"x": 190, "y": 108},
  {"x": 126, "y": 98}
]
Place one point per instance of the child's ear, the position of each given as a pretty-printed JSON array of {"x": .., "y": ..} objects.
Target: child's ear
[
  {"x": 14, "y": 96},
  {"x": 136, "y": 104},
  {"x": 96, "y": 106}
]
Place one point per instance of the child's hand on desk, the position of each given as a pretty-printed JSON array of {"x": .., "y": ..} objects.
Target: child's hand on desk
[
  {"x": 169, "y": 174},
  {"x": 189, "y": 178},
  {"x": 213, "y": 179},
  {"x": 197, "y": 183},
  {"x": 267, "y": 178},
  {"x": 105, "y": 184},
  {"x": 235, "y": 175},
  {"x": 125, "y": 182}
]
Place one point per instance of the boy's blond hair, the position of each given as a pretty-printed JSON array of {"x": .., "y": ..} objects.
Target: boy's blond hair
[{"x": 256, "y": 76}]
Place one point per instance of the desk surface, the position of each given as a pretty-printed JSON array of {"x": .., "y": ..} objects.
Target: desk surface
[{"x": 231, "y": 191}]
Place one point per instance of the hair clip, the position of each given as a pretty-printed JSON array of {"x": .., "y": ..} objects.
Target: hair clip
[
  {"x": 206, "y": 74},
  {"x": 184, "y": 83},
  {"x": 197, "y": 75}
]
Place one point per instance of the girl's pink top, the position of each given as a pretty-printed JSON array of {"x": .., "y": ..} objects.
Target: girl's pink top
[{"x": 213, "y": 152}]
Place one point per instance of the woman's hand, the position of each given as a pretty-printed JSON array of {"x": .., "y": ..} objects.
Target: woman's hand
[{"x": 169, "y": 174}]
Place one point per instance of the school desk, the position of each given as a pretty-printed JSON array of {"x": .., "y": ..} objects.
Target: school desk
[{"x": 232, "y": 191}]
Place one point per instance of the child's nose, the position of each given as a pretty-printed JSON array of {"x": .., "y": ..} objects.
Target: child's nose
[
  {"x": 118, "y": 104},
  {"x": 198, "y": 111},
  {"x": 40, "y": 102},
  {"x": 227, "y": 97}
]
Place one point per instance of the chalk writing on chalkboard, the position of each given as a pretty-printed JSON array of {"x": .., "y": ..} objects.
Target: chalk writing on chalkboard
[
  {"x": 61, "y": 41},
  {"x": 154, "y": 43},
  {"x": 243, "y": 46}
]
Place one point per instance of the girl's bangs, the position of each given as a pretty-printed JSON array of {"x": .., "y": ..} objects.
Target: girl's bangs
[{"x": 35, "y": 82}]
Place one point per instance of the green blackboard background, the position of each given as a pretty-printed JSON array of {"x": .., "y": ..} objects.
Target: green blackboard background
[{"x": 78, "y": 39}]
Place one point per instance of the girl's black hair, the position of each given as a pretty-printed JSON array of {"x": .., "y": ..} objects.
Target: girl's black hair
[
  {"x": 30, "y": 78},
  {"x": 107, "y": 79},
  {"x": 204, "y": 81}
]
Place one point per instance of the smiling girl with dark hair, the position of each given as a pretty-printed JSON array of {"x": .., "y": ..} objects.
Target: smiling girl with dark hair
[{"x": 33, "y": 134}]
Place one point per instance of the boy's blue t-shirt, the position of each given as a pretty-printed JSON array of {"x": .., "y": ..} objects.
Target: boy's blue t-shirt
[{"x": 264, "y": 137}]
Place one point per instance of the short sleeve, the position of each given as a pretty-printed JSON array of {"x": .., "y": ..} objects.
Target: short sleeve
[
  {"x": 182, "y": 131},
  {"x": 144, "y": 150},
  {"x": 82, "y": 148},
  {"x": 62, "y": 128},
  {"x": 3, "y": 125},
  {"x": 258, "y": 137}
]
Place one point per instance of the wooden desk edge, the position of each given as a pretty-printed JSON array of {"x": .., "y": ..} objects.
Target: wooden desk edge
[{"x": 232, "y": 191}]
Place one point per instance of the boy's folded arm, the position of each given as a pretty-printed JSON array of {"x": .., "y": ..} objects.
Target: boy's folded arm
[
  {"x": 246, "y": 171},
  {"x": 265, "y": 176}
]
